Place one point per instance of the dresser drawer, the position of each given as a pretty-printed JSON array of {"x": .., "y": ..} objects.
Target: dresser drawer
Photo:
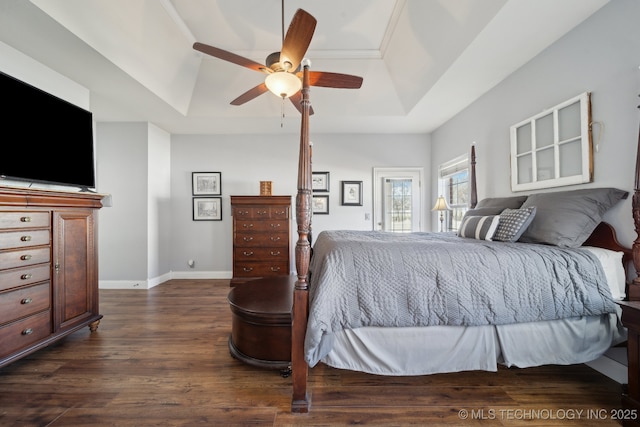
[
  {"x": 261, "y": 212},
  {"x": 249, "y": 269},
  {"x": 24, "y": 257},
  {"x": 265, "y": 226},
  {"x": 24, "y": 302},
  {"x": 24, "y": 220},
  {"x": 15, "y": 277},
  {"x": 25, "y": 332},
  {"x": 251, "y": 212},
  {"x": 259, "y": 254},
  {"x": 24, "y": 238},
  {"x": 249, "y": 239}
]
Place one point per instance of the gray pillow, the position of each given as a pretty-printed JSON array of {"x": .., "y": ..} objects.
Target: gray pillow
[
  {"x": 513, "y": 202},
  {"x": 567, "y": 218},
  {"x": 513, "y": 223},
  {"x": 482, "y": 212}
]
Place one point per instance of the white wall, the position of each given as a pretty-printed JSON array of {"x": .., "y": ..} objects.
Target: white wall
[
  {"x": 245, "y": 160},
  {"x": 600, "y": 56}
]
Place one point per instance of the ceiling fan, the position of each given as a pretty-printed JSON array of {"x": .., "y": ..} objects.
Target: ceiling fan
[{"x": 283, "y": 68}]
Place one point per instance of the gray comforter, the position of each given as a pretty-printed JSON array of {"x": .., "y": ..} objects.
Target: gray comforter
[{"x": 368, "y": 278}]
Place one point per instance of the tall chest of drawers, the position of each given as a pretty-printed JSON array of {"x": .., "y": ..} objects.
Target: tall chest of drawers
[
  {"x": 48, "y": 268},
  {"x": 261, "y": 236}
]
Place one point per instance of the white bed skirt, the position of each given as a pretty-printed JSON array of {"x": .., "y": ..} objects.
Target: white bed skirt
[{"x": 438, "y": 349}]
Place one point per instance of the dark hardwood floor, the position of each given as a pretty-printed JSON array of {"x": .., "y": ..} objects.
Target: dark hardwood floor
[{"x": 160, "y": 358}]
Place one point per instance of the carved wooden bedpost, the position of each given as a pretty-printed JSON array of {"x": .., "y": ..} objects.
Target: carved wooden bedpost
[
  {"x": 634, "y": 288},
  {"x": 474, "y": 190},
  {"x": 299, "y": 368}
]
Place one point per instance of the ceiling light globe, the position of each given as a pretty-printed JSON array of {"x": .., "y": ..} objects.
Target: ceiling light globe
[{"x": 283, "y": 84}]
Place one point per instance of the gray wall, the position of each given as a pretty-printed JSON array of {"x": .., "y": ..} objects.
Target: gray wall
[
  {"x": 245, "y": 160},
  {"x": 599, "y": 56},
  {"x": 122, "y": 171}
]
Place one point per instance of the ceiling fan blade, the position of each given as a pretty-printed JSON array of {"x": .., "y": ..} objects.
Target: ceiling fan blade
[
  {"x": 337, "y": 80},
  {"x": 250, "y": 94},
  {"x": 231, "y": 57},
  {"x": 297, "y": 40},
  {"x": 296, "y": 100}
]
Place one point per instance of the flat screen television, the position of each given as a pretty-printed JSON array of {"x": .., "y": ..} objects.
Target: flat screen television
[{"x": 47, "y": 140}]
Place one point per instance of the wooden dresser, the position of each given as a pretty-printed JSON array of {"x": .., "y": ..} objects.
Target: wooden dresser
[
  {"x": 48, "y": 268},
  {"x": 261, "y": 236}
]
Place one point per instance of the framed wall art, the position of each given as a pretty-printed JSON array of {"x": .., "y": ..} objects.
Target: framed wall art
[
  {"x": 320, "y": 181},
  {"x": 206, "y": 183},
  {"x": 351, "y": 194},
  {"x": 554, "y": 147},
  {"x": 207, "y": 208},
  {"x": 320, "y": 205}
]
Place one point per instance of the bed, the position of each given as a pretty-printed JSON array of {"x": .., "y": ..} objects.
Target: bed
[{"x": 508, "y": 288}]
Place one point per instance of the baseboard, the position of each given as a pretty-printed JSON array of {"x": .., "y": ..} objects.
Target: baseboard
[
  {"x": 612, "y": 364},
  {"x": 201, "y": 274},
  {"x": 150, "y": 283}
]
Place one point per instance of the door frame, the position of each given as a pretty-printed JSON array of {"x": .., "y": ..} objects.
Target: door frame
[{"x": 393, "y": 172}]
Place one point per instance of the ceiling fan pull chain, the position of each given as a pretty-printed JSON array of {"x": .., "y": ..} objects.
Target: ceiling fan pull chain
[{"x": 282, "y": 113}]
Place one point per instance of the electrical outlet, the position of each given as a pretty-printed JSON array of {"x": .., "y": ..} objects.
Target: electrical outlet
[
  {"x": 191, "y": 263},
  {"x": 367, "y": 217}
]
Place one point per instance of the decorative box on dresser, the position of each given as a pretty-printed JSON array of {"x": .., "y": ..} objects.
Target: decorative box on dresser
[
  {"x": 261, "y": 236},
  {"x": 48, "y": 268}
]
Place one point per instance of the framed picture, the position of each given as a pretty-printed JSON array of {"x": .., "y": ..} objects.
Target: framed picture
[
  {"x": 207, "y": 208},
  {"x": 320, "y": 181},
  {"x": 206, "y": 183},
  {"x": 320, "y": 205},
  {"x": 351, "y": 193}
]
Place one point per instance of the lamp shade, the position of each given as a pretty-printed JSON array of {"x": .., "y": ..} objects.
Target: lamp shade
[
  {"x": 441, "y": 205},
  {"x": 283, "y": 84}
]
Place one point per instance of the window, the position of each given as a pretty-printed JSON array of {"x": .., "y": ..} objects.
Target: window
[
  {"x": 453, "y": 184},
  {"x": 553, "y": 148}
]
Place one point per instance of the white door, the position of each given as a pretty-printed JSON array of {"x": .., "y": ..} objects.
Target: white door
[{"x": 397, "y": 199}]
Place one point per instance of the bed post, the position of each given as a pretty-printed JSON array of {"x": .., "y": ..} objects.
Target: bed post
[
  {"x": 634, "y": 287},
  {"x": 300, "y": 401},
  {"x": 473, "y": 201}
]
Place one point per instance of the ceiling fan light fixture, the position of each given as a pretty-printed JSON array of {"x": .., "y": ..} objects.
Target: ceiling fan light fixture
[{"x": 283, "y": 84}]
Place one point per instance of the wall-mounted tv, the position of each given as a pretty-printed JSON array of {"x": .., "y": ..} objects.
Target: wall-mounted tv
[{"x": 46, "y": 139}]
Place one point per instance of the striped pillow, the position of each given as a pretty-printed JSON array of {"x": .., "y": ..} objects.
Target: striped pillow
[{"x": 479, "y": 227}]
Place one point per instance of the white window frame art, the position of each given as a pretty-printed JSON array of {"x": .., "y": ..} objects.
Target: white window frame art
[{"x": 546, "y": 159}]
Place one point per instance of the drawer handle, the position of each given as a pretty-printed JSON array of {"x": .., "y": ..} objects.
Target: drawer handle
[
  {"x": 275, "y": 253},
  {"x": 247, "y": 269},
  {"x": 25, "y": 238},
  {"x": 26, "y": 301},
  {"x": 275, "y": 268},
  {"x": 262, "y": 212},
  {"x": 247, "y": 225},
  {"x": 247, "y": 239},
  {"x": 27, "y": 331},
  {"x": 25, "y": 219},
  {"x": 275, "y": 238},
  {"x": 26, "y": 276},
  {"x": 25, "y": 257},
  {"x": 245, "y": 253},
  {"x": 275, "y": 225}
]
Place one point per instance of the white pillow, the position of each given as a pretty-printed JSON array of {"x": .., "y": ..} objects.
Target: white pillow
[{"x": 613, "y": 270}]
